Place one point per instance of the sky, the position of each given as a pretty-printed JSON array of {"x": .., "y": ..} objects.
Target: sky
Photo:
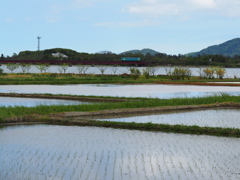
[{"x": 167, "y": 26}]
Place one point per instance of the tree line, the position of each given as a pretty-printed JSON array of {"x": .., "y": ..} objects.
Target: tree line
[{"x": 159, "y": 59}]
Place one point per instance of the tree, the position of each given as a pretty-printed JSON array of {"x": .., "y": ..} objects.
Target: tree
[
  {"x": 102, "y": 69},
  {"x": 63, "y": 67},
  {"x": 25, "y": 67},
  {"x": 1, "y": 71},
  {"x": 220, "y": 72},
  {"x": 180, "y": 73},
  {"x": 146, "y": 72},
  {"x": 12, "y": 66},
  {"x": 200, "y": 73},
  {"x": 208, "y": 73},
  {"x": 168, "y": 70},
  {"x": 135, "y": 73},
  {"x": 42, "y": 67},
  {"x": 153, "y": 70},
  {"x": 82, "y": 69},
  {"x": 14, "y": 55},
  {"x": 114, "y": 69}
]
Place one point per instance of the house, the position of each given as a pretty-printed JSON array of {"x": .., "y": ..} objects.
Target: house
[{"x": 59, "y": 55}]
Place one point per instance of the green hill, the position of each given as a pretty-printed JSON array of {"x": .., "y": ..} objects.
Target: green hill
[
  {"x": 143, "y": 51},
  {"x": 229, "y": 48}
]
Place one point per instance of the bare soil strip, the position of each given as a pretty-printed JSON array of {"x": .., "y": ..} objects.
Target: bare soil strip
[
  {"x": 152, "y": 110},
  {"x": 63, "y": 97}
]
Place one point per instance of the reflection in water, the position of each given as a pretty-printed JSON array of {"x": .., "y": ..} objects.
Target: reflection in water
[
  {"x": 227, "y": 118},
  {"x": 152, "y": 91},
  {"x": 68, "y": 152},
  {"x": 30, "y": 102}
]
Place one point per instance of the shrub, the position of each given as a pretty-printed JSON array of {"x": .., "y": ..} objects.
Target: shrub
[
  {"x": 135, "y": 73},
  {"x": 220, "y": 72},
  {"x": 180, "y": 73},
  {"x": 208, "y": 73},
  {"x": 146, "y": 73},
  {"x": 125, "y": 75}
]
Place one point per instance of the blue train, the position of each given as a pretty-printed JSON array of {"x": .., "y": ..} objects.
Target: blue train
[{"x": 130, "y": 59}]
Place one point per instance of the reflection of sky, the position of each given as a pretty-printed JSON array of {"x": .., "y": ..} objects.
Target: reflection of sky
[
  {"x": 72, "y": 152},
  {"x": 189, "y": 94},
  {"x": 160, "y": 91},
  {"x": 228, "y": 118},
  {"x": 30, "y": 102}
]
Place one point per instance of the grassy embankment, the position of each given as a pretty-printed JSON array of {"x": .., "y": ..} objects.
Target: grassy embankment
[
  {"x": 7, "y": 112},
  {"x": 41, "y": 112},
  {"x": 50, "y": 78}
]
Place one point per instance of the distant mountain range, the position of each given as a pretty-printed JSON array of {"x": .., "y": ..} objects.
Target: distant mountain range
[
  {"x": 143, "y": 51},
  {"x": 229, "y": 48}
]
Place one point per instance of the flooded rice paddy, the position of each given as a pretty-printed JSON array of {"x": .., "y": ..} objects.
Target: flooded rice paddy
[
  {"x": 226, "y": 118},
  {"x": 149, "y": 91},
  {"x": 31, "y": 102},
  {"x": 67, "y": 152},
  {"x": 42, "y": 152}
]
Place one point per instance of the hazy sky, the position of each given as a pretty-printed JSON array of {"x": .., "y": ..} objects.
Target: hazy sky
[{"x": 167, "y": 26}]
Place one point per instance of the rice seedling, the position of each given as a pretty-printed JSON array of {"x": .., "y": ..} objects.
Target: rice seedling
[{"x": 77, "y": 153}]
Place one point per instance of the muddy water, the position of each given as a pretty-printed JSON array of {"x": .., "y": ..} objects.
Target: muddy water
[
  {"x": 227, "y": 118},
  {"x": 159, "y": 91},
  {"x": 30, "y": 102},
  {"x": 66, "y": 152}
]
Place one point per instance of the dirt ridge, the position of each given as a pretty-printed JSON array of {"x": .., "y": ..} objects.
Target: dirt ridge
[{"x": 62, "y": 97}]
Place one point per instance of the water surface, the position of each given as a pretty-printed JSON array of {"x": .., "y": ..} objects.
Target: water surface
[
  {"x": 31, "y": 102},
  {"x": 67, "y": 152},
  {"x": 149, "y": 91},
  {"x": 226, "y": 118}
]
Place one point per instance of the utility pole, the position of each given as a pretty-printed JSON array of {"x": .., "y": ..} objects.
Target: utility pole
[{"x": 38, "y": 42}]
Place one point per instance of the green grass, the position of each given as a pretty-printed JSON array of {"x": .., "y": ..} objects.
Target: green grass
[
  {"x": 215, "y": 131},
  {"x": 20, "y": 111},
  {"x": 95, "y": 79},
  {"x": 6, "y": 112},
  {"x": 71, "y": 79}
]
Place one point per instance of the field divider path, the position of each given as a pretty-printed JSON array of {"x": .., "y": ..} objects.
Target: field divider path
[
  {"x": 62, "y": 97},
  {"x": 151, "y": 110}
]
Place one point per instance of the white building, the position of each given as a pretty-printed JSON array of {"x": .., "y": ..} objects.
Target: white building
[{"x": 59, "y": 55}]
